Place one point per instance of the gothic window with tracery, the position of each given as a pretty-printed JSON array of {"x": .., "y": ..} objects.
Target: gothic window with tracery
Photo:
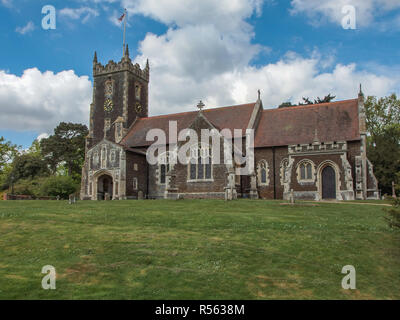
[
  {"x": 200, "y": 166},
  {"x": 305, "y": 171}
]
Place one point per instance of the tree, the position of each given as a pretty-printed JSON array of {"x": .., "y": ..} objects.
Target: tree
[
  {"x": 307, "y": 101},
  {"x": 27, "y": 166},
  {"x": 393, "y": 217},
  {"x": 61, "y": 186},
  {"x": 66, "y": 145},
  {"x": 7, "y": 152},
  {"x": 381, "y": 114},
  {"x": 326, "y": 99},
  {"x": 383, "y": 139},
  {"x": 285, "y": 105}
]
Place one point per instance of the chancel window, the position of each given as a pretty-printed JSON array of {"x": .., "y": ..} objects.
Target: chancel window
[
  {"x": 200, "y": 165},
  {"x": 135, "y": 183}
]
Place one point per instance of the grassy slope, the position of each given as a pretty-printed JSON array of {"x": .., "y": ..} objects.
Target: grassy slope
[{"x": 196, "y": 250}]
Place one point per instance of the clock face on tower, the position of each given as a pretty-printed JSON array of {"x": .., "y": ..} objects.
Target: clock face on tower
[
  {"x": 108, "y": 105},
  {"x": 138, "y": 108}
]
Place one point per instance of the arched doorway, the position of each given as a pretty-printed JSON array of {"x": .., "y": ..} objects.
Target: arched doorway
[
  {"x": 328, "y": 183},
  {"x": 104, "y": 187}
]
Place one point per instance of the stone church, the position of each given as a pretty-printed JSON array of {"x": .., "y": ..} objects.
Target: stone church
[{"x": 309, "y": 152}]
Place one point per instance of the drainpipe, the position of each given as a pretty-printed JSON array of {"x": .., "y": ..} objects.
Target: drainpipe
[
  {"x": 273, "y": 170},
  {"x": 147, "y": 179}
]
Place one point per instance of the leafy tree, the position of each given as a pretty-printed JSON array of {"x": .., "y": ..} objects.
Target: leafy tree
[
  {"x": 52, "y": 186},
  {"x": 382, "y": 113},
  {"x": 285, "y": 105},
  {"x": 383, "y": 140},
  {"x": 393, "y": 217},
  {"x": 7, "y": 152},
  {"x": 35, "y": 148},
  {"x": 27, "y": 166},
  {"x": 61, "y": 186},
  {"x": 326, "y": 99},
  {"x": 66, "y": 145},
  {"x": 306, "y": 101},
  {"x": 28, "y": 187}
]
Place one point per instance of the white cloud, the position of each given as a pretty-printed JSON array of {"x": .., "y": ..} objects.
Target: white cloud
[
  {"x": 26, "y": 29},
  {"x": 42, "y": 136},
  {"x": 205, "y": 54},
  {"x": 83, "y": 13},
  {"x": 367, "y": 11},
  {"x": 226, "y": 15},
  {"x": 291, "y": 78},
  {"x": 6, "y": 3},
  {"x": 38, "y": 101}
]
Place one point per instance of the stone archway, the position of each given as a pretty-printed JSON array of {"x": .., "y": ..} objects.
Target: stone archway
[
  {"x": 328, "y": 181},
  {"x": 105, "y": 187},
  {"x": 328, "y": 177}
]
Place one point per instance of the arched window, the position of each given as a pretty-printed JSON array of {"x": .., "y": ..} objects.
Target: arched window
[
  {"x": 305, "y": 171},
  {"x": 164, "y": 167},
  {"x": 263, "y": 173},
  {"x": 200, "y": 166},
  {"x": 96, "y": 158},
  {"x": 138, "y": 90},
  {"x": 112, "y": 156}
]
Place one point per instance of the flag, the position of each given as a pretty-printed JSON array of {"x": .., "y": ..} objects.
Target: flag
[{"x": 122, "y": 17}]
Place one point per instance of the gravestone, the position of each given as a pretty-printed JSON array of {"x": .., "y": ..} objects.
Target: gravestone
[{"x": 72, "y": 199}]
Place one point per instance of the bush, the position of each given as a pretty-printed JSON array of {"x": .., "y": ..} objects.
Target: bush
[
  {"x": 28, "y": 187},
  {"x": 53, "y": 186},
  {"x": 394, "y": 214},
  {"x": 61, "y": 186}
]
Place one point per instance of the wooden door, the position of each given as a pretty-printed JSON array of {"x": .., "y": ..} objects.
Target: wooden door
[{"x": 328, "y": 183}]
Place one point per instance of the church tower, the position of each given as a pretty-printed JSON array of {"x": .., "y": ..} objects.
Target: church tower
[{"x": 120, "y": 95}]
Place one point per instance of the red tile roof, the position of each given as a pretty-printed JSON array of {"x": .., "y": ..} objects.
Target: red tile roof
[
  {"x": 334, "y": 121},
  {"x": 234, "y": 117}
]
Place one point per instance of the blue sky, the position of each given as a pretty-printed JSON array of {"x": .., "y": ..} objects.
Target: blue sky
[{"x": 221, "y": 52}]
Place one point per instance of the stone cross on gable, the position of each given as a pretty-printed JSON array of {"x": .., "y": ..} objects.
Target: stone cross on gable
[{"x": 201, "y": 106}]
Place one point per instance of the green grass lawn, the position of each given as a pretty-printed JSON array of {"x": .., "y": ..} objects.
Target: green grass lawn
[{"x": 196, "y": 250}]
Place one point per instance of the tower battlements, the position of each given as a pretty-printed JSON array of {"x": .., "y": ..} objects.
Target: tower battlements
[{"x": 124, "y": 65}]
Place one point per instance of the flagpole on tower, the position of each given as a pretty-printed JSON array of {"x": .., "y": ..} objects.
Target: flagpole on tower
[{"x": 126, "y": 13}]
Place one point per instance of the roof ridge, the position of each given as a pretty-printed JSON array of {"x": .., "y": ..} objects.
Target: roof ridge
[
  {"x": 189, "y": 112},
  {"x": 310, "y": 105}
]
